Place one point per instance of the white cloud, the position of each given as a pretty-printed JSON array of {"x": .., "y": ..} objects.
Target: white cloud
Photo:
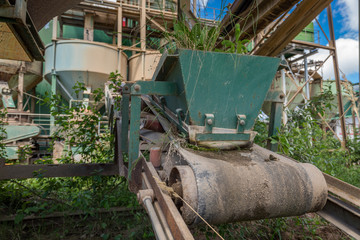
[
  {"x": 202, "y": 3},
  {"x": 349, "y": 10},
  {"x": 348, "y": 57}
]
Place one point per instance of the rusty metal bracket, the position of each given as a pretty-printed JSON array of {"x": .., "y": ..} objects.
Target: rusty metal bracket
[{"x": 176, "y": 223}]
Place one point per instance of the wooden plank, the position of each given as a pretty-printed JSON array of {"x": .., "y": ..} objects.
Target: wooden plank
[
  {"x": 306, "y": 11},
  {"x": 311, "y": 44}
]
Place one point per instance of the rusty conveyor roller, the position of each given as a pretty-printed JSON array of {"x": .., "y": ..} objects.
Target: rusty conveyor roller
[{"x": 243, "y": 185}]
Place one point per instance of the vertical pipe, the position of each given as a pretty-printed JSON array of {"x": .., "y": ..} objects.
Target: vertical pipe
[
  {"x": 306, "y": 73},
  {"x": 54, "y": 29},
  {"x": 337, "y": 76},
  {"x": 283, "y": 78},
  {"x": 353, "y": 120},
  {"x": 133, "y": 42},
  {"x": 194, "y": 8},
  {"x": 119, "y": 35},
  {"x": 33, "y": 92},
  {"x": 143, "y": 35},
  {"x": 21, "y": 87},
  {"x": 89, "y": 27},
  {"x": 53, "y": 72}
]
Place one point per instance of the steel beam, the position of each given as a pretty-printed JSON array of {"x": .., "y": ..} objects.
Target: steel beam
[
  {"x": 154, "y": 88},
  {"x": 342, "y": 215},
  {"x": 57, "y": 170},
  {"x": 254, "y": 16}
]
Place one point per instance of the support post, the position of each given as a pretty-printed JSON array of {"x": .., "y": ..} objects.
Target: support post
[
  {"x": 275, "y": 123},
  {"x": 283, "y": 78},
  {"x": 306, "y": 73},
  {"x": 53, "y": 73},
  {"x": 353, "y": 121},
  {"x": 125, "y": 103},
  {"x": 133, "y": 42},
  {"x": 89, "y": 27},
  {"x": 21, "y": 87},
  {"x": 337, "y": 77},
  {"x": 53, "y": 92},
  {"x": 194, "y": 8},
  {"x": 277, "y": 102},
  {"x": 33, "y": 102},
  {"x": 143, "y": 35}
]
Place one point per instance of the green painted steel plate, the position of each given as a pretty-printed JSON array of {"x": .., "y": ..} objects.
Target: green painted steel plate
[
  {"x": 222, "y": 84},
  {"x": 19, "y": 132}
]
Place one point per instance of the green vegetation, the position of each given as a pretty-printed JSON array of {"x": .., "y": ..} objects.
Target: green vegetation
[
  {"x": 205, "y": 38},
  {"x": 199, "y": 37},
  {"x": 304, "y": 139},
  {"x": 96, "y": 197},
  {"x": 309, "y": 226}
]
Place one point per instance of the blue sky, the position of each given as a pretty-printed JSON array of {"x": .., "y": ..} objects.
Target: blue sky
[{"x": 346, "y": 26}]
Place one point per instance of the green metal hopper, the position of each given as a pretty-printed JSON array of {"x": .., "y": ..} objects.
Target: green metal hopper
[{"x": 219, "y": 94}]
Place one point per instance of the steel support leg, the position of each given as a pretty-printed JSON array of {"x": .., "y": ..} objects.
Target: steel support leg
[
  {"x": 125, "y": 121},
  {"x": 53, "y": 92},
  {"x": 134, "y": 131},
  {"x": 275, "y": 123}
]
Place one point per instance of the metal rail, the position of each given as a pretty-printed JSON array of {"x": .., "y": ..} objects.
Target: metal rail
[{"x": 342, "y": 208}]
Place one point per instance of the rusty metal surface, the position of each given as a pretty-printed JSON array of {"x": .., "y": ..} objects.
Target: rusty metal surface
[
  {"x": 252, "y": 184},
  {"x": 182, "y": 180},
  {"x": 343, "y": 215},
  {"x": 254, "y": 16},
  {"x": 176, "y": 223},
  {"x": 57, "y": 170},
  {"x": 11, "y": 48},
  {"x": 42, "y": 11},
  {"x": 118, "y": 154},
  {"x": 342, "y": 189},
  {"x": 342, "y": 210}
]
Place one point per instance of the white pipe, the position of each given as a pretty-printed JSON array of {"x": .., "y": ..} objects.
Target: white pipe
[{"x": 158, "y": 230}]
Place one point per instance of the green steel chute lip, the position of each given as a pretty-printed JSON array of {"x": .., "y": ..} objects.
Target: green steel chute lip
[
  {"x": 222, "y": 137},
  {"x": 154, "y": 88},
  {"x": 15, "y": 133}
]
